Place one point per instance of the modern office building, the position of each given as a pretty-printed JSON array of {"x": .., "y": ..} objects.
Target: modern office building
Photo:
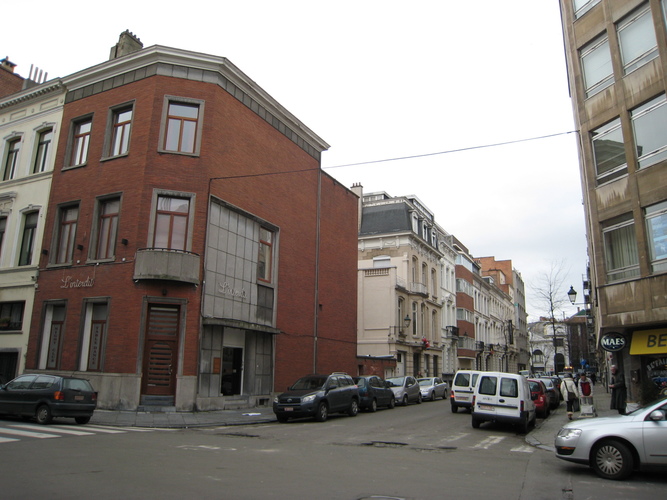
[{"x": 617, "y": 63}]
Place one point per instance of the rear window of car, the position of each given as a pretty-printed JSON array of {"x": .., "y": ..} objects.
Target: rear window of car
[
  {"x": 76, "y": 384},
  {"x": 488, "y": 385},
  {"x": 509, "y": 388},
  {"x": 462, "y": 379}
]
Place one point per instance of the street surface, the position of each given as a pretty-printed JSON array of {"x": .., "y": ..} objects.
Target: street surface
[{"x": 416, "y": 452}]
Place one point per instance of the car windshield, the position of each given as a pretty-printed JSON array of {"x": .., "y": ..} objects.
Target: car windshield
[
  {"x": 425, "y": 381},
  {"x": 307, "y": 383},
  {"x": 395, "y": 382}
]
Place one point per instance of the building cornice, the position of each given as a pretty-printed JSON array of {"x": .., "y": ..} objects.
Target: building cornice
[{"x": 33, "y": 93}]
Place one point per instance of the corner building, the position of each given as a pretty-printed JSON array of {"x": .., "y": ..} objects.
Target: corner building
[
  {"x": 617, "y": 64},
  {"x": 195, "y": 255}
]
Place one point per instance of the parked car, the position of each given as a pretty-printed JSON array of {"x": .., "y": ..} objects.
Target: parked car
[
  {"x": 504, "y": 398},
  {"x": 432, "y": 388},
  {"x": 45, "y": 397},
  {"x": 616, "y": 446},
  {"x": 406, "y": 390},
  {"x": 462, "y": 389},
  {"x": 317, "y": 396},
  {"x": 553, "y": 388},
  {"x": 540, "y": 396},
  {"x": 373, "y": 392}
]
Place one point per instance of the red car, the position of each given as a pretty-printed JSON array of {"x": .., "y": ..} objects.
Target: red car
[{"x": 538, "y": 392}]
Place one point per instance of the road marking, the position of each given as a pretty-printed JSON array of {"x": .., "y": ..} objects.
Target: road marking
[
  {"x": 18, "y": 432},
  {"x": 52, "y": 428},
  {"x": 455, "y": 437},
  {"x": 7, "y": 440},
  {"x": 523, "y": 449},
  {"x": 485, "y": 444}
]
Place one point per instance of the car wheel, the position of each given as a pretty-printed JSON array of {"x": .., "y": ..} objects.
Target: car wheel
[
  {"x": 405, "y": 400},
  {"x": 433, "y": 396},
  {"x": 525, "y": 424},
  {"x": 354, "y": 408},
  {"x": 392, "y": 403},
  {"x": 419, "y": 399},
  {"x": 455, "y": 408},
  {"x": 82, "y": 420},
  {"x": 374, "y": 406},
  {"x": 282, "y": 418},
  {"x": 44, "y": 415},
  {"x": 612, "y": 460},
  {"x": 322, "y": 412},
  {"x": 475, "y": 423}
]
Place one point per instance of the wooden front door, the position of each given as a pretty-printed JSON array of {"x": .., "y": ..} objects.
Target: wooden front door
[{"x": 161, "y": 350}]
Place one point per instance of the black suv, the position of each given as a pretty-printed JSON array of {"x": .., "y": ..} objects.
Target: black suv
[{"x": 316, "y": 396}]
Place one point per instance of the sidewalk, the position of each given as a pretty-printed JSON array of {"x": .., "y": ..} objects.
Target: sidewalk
[
  {"x": 183, "y": 420},
  {"x": 544, "y": 433}
]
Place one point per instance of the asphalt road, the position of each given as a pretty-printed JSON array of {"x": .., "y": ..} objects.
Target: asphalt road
[{"x": 416, "y": 452}]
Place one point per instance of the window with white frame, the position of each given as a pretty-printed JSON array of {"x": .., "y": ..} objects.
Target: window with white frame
[
  {"x": 94, "y": 336},
  {"x": 11, "y": 158},
  {"x": 620, "y": 247},
  {"x": 583, "y": 6},
  {"x": 68, "y": 218},
  {"x": 596, "y": 65},
  {"x": 11, "y": 315},
  {"x": 656, "y": 235},
  {"x": 650, "y": 133},
  {"x": 28, "y": 236},
  {"x": 181, "y": 125},
  {"x": 80, "y": 141},
  {"x": 636, "y": 38},
  {"x": 609, "y": 152},
  {"x": 44, "y": 140},
  {"x": 121, "y": 125}
]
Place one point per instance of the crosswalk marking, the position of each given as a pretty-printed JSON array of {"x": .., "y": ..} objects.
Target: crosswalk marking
[
  {"x": 53, "y": 428},
  {"x": 7, "y": 440},
  {"x": 489, "y": 441},
  {"x": 523, "y": 449},
  {"x": 18, "y": 432}
]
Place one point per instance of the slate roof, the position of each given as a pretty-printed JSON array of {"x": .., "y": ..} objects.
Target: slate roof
[{"x": 392, "y": 218}]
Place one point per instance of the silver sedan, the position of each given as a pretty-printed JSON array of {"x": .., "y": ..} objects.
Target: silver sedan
[
  {"x": 616, "y": 446},
  {"x": 432, "y": 388}
]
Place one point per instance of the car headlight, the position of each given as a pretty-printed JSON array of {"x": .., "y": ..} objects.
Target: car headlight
[
  {"x": 568, "y": 433},
  {"x": 276, "y": 400},
  {"x": 308, "y": 399}
]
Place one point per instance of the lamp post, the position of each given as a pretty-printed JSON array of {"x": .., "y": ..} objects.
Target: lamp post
[{"x": 572, "y": 295}]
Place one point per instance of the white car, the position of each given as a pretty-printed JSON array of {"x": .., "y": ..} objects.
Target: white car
[
  {"x": 432, "y": 388},
  {"x": 616, "y": 446}
]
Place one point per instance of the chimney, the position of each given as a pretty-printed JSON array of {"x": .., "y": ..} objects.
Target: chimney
[
  {"x": 358, "y": 189},
  {"x": 6, "y": 64},
  {"x": 127, "y": 44}
]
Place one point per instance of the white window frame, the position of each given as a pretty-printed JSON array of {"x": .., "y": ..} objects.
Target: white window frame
[
  {"x": 656, "y": 235},
  {"x": 657, "y": 154},
  {"x": 592, "y": 52},
  {"x": 9, "y": 172},
  {"x": 625, "y": 27}
]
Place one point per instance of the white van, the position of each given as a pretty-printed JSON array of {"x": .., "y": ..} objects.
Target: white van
[
  {"x": 462, "y": 390},
  {"x": 504, "y": 398}
]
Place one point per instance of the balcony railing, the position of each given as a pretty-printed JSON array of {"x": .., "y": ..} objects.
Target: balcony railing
[{"x": 166, "y": 264}]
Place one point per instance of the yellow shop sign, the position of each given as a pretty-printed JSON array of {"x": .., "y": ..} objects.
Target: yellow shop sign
[{"x": 649, "y": 342}]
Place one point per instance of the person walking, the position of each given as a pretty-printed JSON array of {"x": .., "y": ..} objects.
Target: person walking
[
  {"x": 570, "y": 393},
  {"x": 618, "y": 390},
  {"x": 585, "y": 386}
]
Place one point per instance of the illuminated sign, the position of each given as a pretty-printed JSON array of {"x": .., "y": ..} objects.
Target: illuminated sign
[
  {"x": 612, "y": 342},
  {"x": 649, "y": 342}
]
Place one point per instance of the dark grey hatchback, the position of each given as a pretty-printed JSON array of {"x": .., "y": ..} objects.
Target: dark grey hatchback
[{"x": 47, "y": 396}]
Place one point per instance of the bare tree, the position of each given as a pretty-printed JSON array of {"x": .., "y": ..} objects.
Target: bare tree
[{"x": 550, "y": 293}]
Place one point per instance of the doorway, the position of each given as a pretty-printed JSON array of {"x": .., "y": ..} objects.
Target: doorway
[
  {"x": 231, "y": 377},
  {"x": 161, "y": 350}
]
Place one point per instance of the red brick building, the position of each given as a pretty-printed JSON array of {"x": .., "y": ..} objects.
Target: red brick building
[{"x": 195, "y": 253}]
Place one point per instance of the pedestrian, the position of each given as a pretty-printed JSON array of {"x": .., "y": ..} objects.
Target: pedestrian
[
  {"x": 618, "y": 391},
  {"x": 585, "y": 386},
  {"x": 570, "y": 394}
]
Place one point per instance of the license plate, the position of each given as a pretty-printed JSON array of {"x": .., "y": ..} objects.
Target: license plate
[
  {"x": 289, "y": 408},
  {"x": 486, "y": 407},
  {"x": 78, "y": 398},
  {"x": 462, "y": 398}
]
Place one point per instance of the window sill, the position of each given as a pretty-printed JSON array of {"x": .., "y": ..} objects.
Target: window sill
[
  {"x": 178, "y": 153},
  {"x": 11, "y": 332},
  {"x": 73, "y": 167},
  {"x": 108, "y": 158}
]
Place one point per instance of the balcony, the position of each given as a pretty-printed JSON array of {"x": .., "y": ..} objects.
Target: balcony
[{"x": 165, "y": 264}]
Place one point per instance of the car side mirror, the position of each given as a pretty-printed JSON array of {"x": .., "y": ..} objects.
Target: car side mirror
[{"x": 657, "y": 415}]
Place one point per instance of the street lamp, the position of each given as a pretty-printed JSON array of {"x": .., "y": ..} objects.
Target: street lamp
[{"x": 572, "y": 295}]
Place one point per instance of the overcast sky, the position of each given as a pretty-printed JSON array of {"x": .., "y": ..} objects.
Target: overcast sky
[{"x": 438, "y": 81}]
